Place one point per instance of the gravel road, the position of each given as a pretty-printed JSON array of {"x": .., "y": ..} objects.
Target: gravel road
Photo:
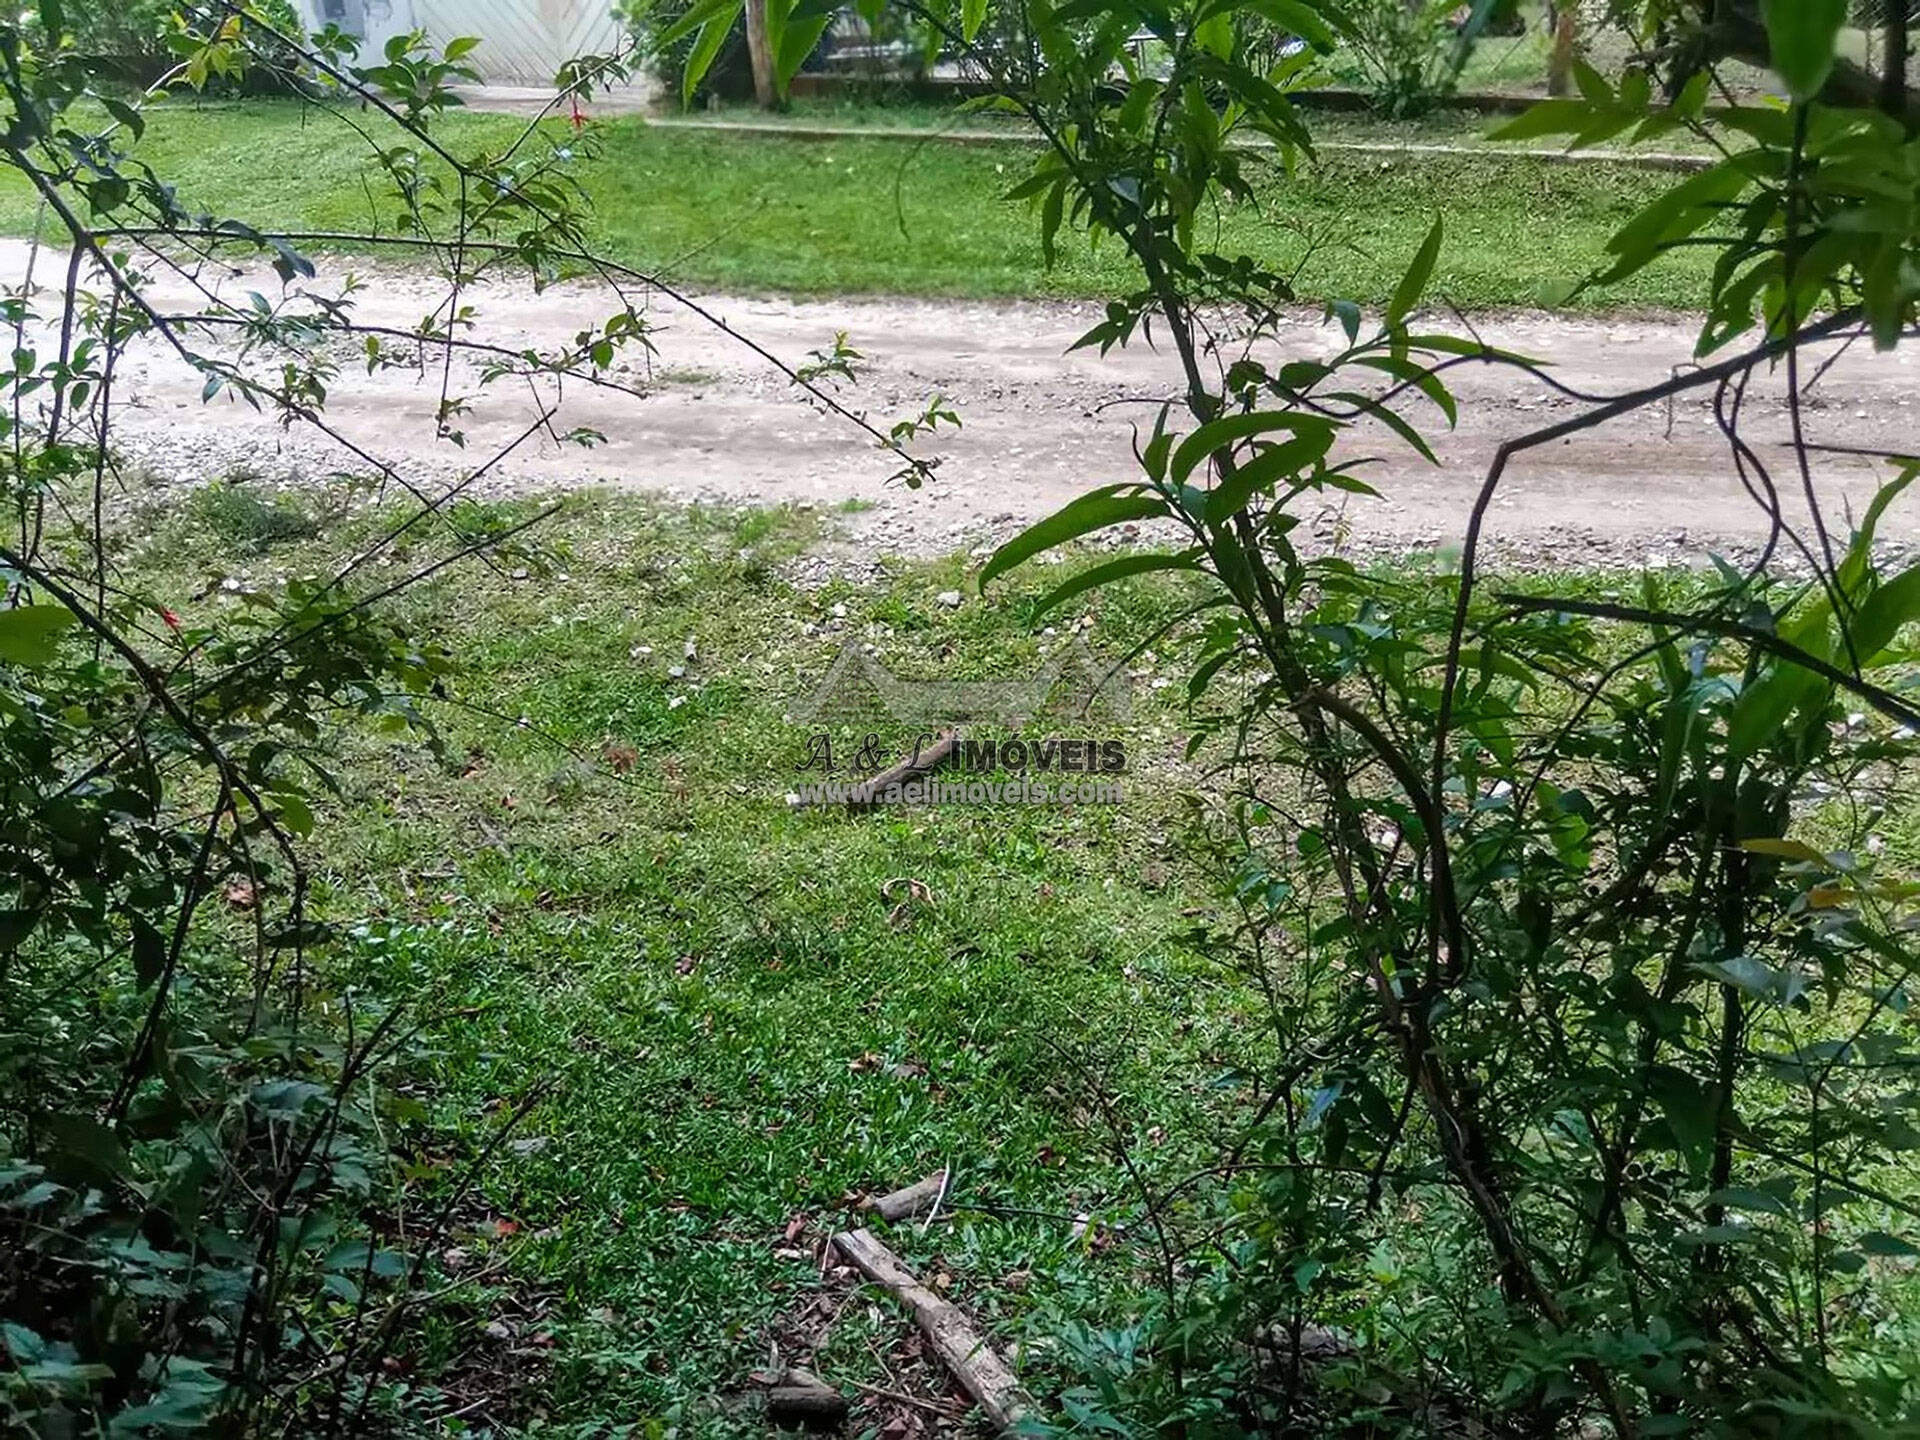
[{"x": 1040, "y": 423}]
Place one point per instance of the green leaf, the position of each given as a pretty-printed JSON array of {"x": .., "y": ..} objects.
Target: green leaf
[
  {"x": 126, "y": 114},
  {"x": 1050, "y": 213},
  {"x": 1388, "y": 417},
  {"x": 1414, "y": 283},
  {"x": 285, "y": 1099},
  {"x": 1549, "y": 117},
  {"x": 705, "y": 51},
  {"x": 1785, "y": 850},
  {"x": 81, "y": 1148},
  {"x": 1258, "y": 474},
  {"x": 1593, "y": 85},
  {"x": 1740, "y": 1197},
  {"x": 1763, "y": 708},
  {"x": 696, "y": 17},
  {"x": 1112, "y": 570},
  {"x": 1858, "y": 564},
  {"x": 1802, "y": 34},
  {"x": 149, "y": 952},
  {"x": 1299, "y": 19},
  {"x": 1690, "y": 1107},
  {"x": 797, "y": 40},
  {"x": 1885, "y": 611},
  {"x": 30, "y": 634},
  {"x": 53, "y": 20},
  {"x": 1878, "y": 1242},
  {"x": 1217, "y": 435},
  {"x": 23, "y": 1345},
  {"x": 1679, "y": 212},
  {"x": 1109, "y": 505},
  {"x": 293, "y": 812},
  {"x": 1747, "y": 975},
  {"x": 973, "y": 14}
]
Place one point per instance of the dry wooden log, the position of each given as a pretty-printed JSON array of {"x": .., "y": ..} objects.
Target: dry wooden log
[
  {"x": 899, "y": 1204},
  {"x": 980, "y": 1371},
  {"x": 803, "y": 1398},
  {"x": 922, "y": 762}
]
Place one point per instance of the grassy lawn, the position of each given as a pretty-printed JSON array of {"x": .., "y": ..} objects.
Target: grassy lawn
[
  {"x": 720, "y": 1019},
  {"x": 733, "y": 1012},
  {"x": 1332, "y": 128},
  {"x": 755, "y": 213}
]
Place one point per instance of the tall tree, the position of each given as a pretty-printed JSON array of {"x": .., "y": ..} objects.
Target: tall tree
[
  {"x": 1563, "y": 20},
  {"x": 1893, "y": 78},
  {"x": 760, "y": 53}
]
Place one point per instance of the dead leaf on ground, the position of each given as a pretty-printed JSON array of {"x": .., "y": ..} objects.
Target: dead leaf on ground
[
  {"x": 918, "y": 891},
  {"x": 908, "y": 897}
]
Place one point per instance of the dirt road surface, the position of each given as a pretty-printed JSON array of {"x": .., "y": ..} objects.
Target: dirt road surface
[{"x": 1040, "y": 423}]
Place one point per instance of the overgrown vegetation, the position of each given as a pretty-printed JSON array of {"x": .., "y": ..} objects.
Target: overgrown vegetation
[
  {"x": 1553, "y": 959},
  {"x": 1405, "y": 56},
  {"x": 1538, "y": 1062}
]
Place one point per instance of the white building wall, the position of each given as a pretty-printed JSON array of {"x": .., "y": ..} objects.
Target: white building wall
[{"x": 522, "y": 42}]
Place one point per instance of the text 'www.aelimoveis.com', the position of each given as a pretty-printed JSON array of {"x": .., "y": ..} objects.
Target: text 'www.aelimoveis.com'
[{"x": 933, "y": 791}]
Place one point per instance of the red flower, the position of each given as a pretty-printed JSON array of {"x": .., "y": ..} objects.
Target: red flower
[{"x": 173, "y": 620}]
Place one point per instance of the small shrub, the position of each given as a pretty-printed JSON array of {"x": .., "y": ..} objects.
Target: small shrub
[
  {"x": 1404, "y": 53},
  {"x": 251, "y": 520}
]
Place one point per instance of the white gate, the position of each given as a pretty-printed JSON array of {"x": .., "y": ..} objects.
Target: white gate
[{"x": 522, "y": 42}]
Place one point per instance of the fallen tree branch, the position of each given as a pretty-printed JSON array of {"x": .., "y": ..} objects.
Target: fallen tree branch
[
  {"x": 979, "y": 1369},
  {"x": 910, "y": 1200},
  {"x": 803, "y": 1398},
  {"x": 921, "y": 762}
]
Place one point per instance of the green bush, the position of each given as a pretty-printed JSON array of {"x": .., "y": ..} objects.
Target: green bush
[
  {"x": 136, "y": 31},
  {"x": 1584, "y": 1054},
  {"x": 1403, "y": 53}
]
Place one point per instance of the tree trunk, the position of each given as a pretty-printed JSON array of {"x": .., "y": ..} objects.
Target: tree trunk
[
  {"x": 1893, "y": 78},
  {"x": 1566, "y": 31},
  {"x": 760, "y": 53}
]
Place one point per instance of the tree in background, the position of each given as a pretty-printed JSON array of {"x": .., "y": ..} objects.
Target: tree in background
[{"x": 1563, "y": 24}]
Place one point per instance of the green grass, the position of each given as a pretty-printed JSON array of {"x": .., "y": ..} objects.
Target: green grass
[
  {"x": 735, "y": 1012},
  {"x": 724, "y": 1014},
  {"x": 847, "y": 216},
  {"x": 1447, "y": 126}
]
